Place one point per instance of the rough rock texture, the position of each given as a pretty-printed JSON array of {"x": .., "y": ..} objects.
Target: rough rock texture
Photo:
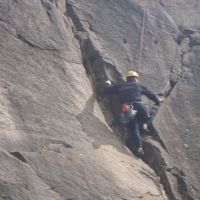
[
  {"x": 109, "y": 33},
  {"x": 54, "y": 141}
]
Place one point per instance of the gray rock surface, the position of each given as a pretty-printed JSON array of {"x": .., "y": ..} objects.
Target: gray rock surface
[
  {"x": 109, "y": 33},
  {"x": 54, "y": 141}
]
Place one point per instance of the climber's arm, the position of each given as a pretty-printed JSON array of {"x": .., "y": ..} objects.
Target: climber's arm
[
  {"x": 145, "y": 91},
  {"x": 110, "y": 88}
]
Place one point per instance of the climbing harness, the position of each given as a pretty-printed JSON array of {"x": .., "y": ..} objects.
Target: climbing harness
[{"x": 128, "y": 113}]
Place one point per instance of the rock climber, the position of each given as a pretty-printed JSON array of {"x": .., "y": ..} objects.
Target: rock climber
[{"x": 130, "y": 92}]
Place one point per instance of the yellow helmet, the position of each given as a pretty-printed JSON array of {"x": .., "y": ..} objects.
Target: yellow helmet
[{"x": 132, "y": 74}]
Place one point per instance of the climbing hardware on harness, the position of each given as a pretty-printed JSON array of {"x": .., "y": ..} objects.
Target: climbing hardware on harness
[{"x": 128, "y": 113}]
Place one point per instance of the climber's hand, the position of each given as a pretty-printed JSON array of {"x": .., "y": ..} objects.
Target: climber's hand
[{"x": 108, "y": 83}]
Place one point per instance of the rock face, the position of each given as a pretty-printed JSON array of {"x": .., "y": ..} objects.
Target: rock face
[{"x": 55, "y": 142}]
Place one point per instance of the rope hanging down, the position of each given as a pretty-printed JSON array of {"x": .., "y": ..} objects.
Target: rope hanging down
[{"x": 142, "y": 37}]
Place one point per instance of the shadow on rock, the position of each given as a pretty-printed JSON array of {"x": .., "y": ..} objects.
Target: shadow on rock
[{"x": 96, "y": 128}]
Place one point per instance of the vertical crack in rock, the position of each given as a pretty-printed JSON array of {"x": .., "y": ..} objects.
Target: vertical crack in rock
[{"x": 174, "y": 78}]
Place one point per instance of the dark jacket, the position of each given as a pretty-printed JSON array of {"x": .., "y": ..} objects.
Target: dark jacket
[{"x": 130, "y": 92}]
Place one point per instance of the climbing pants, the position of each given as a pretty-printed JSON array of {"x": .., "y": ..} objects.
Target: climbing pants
[{"x": 134, "y": 131}]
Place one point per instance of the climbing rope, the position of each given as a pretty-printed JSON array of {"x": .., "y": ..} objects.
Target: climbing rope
[{"x": 142, "y": 36}]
